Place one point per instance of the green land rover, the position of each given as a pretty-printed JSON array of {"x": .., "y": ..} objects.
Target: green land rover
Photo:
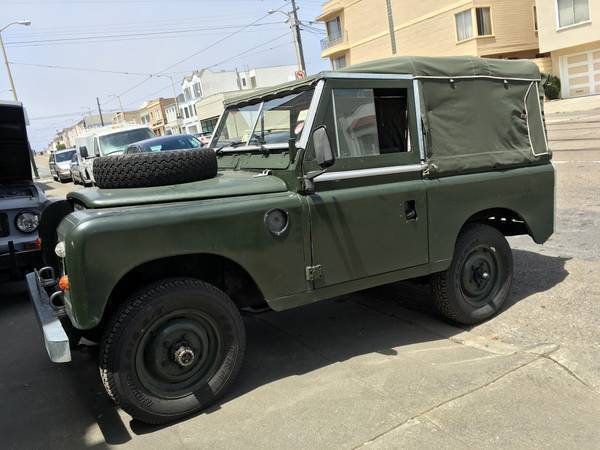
[{"x": 385, "y": 171}]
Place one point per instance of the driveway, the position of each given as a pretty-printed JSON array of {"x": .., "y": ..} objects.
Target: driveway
[{"x": 373, "y": 369}]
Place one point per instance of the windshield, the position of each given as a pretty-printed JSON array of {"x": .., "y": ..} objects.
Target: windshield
[
  {"x": 174, "y": 143},
  {"x": 118, "y": 142},
  {"x": 272, "y": 122},
  {"x": 64, "y": 156}
]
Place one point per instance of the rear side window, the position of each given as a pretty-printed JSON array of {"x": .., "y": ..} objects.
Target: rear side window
[{"x": 371, "y": 122}]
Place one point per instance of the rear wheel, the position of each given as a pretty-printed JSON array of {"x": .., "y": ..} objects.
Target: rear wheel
[
  {"x": 172, "y": 350},
  {"x": 478, "y": 281}
]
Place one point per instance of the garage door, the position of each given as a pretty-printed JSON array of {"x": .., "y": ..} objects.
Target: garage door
[{"x": 580, "y": 73}]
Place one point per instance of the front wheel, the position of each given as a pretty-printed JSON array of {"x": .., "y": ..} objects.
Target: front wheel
[
  {"x": 478, "y": 281},
  {"x": 171, "y": 350}
]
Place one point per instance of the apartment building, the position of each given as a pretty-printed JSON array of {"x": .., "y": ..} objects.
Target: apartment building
[
  {"x": 153, "y": 114},
  {"x": 121, "y": 117},
  {"x": 362, "y": 30},
  {"x": 570, "y": 31},
  {"x": 205, "y": 83}
]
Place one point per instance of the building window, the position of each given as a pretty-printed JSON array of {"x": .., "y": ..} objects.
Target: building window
[
  {"x": 244, "y": 82},
  {"x": 339, "y": 62},
  {"x": 334, "y": 29},
  {"x": 197, "y": 90},
  {"x": 186, "y": 112},
  {"x": 209, "y": 125},
  {"x": 187, "y": 93},
  {"x": 252, "y": 82},
  {"x": 464, "y": 25},
  {"x": 571, "y": 12},
  {"x": 484, "y": 21}
]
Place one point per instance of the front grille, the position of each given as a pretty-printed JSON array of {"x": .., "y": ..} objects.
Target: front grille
[{"x": 4, "y": 229}]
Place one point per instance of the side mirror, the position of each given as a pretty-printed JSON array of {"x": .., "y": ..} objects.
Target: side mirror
[
  {"x": 323, "y": 151},
  {"x": 83, "y": 151}
]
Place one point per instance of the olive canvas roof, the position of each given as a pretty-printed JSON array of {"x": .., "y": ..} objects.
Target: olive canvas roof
[{"x": 416, "y": 66}]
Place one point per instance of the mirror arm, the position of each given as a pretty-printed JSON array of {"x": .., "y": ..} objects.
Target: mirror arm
[{"x": 308, "y": 183}]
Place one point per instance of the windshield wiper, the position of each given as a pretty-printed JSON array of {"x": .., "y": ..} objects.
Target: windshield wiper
[{"x": 233, "y": 144}]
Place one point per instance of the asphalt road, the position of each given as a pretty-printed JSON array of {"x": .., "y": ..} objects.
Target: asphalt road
[{"x": 374, "y": 369}]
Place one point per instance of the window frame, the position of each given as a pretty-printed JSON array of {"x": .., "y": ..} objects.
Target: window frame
[
  {"x": 574, "y": 24},
  {"x": 325, "y": 116},
  {"x": 474, "y": 25}
]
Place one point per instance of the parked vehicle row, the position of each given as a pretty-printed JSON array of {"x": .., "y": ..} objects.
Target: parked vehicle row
[{"x": 76, "y": 164}]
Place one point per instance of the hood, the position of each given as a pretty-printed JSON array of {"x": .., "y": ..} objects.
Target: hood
[
  {"x": 226, "y": 184},
  {"x": 15, "y": 163},
  {"x": 64, "y": 164}
]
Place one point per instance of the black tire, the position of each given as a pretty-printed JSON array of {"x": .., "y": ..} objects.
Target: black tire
[
  {"x": 478, "y": 281},
  {"x": 154, "y": 169},
  {"x": 171, "y": 350}
]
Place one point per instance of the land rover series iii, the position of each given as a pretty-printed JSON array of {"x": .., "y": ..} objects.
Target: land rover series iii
[{"x": 342, "y": 181}]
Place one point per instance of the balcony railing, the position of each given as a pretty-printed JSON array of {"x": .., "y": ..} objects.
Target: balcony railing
[{"x": 334, "y": 39}]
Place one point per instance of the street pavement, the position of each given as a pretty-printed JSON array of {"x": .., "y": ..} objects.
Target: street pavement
[{"x": 375, "y": 369}]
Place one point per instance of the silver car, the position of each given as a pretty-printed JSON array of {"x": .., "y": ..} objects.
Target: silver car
[{"x": 60, "y": 164}]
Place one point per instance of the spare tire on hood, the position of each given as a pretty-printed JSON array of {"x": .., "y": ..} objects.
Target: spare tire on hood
[{"x": 154, "y": 169}]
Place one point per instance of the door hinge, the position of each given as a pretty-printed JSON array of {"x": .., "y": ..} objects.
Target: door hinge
[{"x": 314, "y": 272}]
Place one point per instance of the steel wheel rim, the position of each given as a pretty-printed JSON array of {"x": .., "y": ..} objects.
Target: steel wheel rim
[
  {"x": 178, "y": 353},
  {"x": 481, "y": 275}
]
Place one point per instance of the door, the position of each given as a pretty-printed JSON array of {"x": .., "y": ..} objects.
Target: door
[
  {"x": 368, "y": 212},
  {"x": 580, "y": 73}
]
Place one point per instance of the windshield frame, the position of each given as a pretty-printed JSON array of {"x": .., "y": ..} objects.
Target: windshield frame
[{"x": 300, "y": 142}]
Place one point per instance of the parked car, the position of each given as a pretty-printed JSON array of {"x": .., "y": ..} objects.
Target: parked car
[
  {"x": 75, "y": 172},
  {"x": 165, "y": 144},
  {"x": 381, "y": 172},
  {"x": 60, "y": 164},
  {"x": 106, "y": 141},
  {"x": 20, "y": 198}
]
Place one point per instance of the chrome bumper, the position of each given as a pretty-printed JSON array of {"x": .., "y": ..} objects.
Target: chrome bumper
[{"x": 55, "y": 337}]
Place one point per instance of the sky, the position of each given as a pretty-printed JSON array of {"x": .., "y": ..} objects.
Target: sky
[{"x": 139, "y": 37}]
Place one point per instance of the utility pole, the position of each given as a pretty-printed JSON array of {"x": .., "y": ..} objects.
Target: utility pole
[
  {"x": 10, "y": 78},
  {"x": 292, "y": 18},
  {"x": 100, "y": 111},
  {"x": 295, "y": 24}
]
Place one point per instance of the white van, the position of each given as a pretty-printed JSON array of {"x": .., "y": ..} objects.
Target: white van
[{"x": 106, "y": 141}]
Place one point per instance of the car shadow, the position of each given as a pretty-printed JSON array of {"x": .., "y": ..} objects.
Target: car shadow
[{"x": 291, "y": 343}]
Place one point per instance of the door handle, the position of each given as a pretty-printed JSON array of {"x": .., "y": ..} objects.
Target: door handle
[{"x": 410, "y": 210}]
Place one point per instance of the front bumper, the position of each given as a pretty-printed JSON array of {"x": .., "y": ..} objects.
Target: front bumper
[
  {"x": 16, "y": 259},
  {"x": 55, "y": 337}
]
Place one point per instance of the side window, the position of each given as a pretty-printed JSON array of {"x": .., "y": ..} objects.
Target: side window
[
  {"x": 96, "y": 148},
  {"x": 371, "y": 122}
]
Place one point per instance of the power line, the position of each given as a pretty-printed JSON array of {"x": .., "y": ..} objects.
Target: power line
[
  {"x": 129, "y": 35},
  {"x": 215, "y": 43}
]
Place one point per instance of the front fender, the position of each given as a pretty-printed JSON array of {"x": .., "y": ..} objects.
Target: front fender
[{"x": 104, "y": 245}]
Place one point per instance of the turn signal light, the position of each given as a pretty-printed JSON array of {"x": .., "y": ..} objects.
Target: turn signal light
[{"x": 63, "y": 283}]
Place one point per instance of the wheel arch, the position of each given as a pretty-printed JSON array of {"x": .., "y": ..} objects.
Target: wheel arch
[
  {"x": 217, "y": 270},
  {"x": 505, "y": 220}
]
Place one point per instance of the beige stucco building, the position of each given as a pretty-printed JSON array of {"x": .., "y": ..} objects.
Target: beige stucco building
[
  {"x": 361, "y": 30},
  {"x": 570, "y": 31},
  {"x": 153, "y": 113}
]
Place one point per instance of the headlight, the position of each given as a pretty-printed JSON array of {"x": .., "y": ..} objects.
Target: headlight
[{"x": 27, "y": 221}]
